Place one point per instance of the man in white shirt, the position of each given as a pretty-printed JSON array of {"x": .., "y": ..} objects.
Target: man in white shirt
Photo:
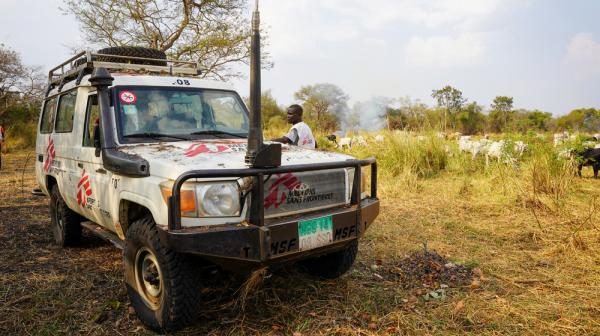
[{"x": 300, "y": 134}]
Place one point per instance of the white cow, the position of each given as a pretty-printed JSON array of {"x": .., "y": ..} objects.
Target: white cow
[
  {"x": 498, "y": 150},
  {"x": 464, "y": 144},
  {"x": 559, "y": 138},
  {"x": 345, "y": 142},
  {"x": 521, "y": 147},
  {"x": 474, "y": 147},
  {"x": 379, "y": 138},
  {"x": 495, "y": 151},
  {"x": 359, "y": 141}
]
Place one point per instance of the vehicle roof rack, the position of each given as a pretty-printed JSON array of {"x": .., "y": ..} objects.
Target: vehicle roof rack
[{"x": 84, "y": 63}]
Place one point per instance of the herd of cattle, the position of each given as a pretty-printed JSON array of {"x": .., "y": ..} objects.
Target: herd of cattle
[{"x": 503, "y": 151}]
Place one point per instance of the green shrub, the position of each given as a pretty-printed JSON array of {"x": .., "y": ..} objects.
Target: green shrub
[{"x": 20, "y": 136}]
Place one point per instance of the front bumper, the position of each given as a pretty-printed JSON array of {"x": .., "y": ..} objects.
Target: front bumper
[
  {"x": 242, "y": 246},
  {"x": 252, "y": 246}
]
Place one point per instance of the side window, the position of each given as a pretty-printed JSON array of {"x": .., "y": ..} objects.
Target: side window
[
  {"x": 91, "y": 120},
  {"x": 65, "y": 112},
  {"x": 47, "y": 123}
]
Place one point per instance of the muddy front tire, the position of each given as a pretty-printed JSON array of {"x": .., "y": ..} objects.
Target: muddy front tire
[
  {"x": 66, "y": 223},
  {"x": 332, "y": 265},
  {"x": 163, "y": 286}
]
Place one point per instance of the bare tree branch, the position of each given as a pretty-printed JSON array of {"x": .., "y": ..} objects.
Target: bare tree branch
[{"x": 213, "y": 32}]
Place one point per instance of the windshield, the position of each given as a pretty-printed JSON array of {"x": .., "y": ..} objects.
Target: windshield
[{"x": 144, "y": 111}]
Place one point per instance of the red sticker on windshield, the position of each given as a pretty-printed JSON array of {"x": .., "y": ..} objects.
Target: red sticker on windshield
[{"x": 127, "y": 97}]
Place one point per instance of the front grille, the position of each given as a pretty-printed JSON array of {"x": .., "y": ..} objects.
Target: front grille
[{"x": 293, "y": 193}]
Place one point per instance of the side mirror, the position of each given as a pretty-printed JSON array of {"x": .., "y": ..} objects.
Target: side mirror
[{"x": 97, "y": 143}]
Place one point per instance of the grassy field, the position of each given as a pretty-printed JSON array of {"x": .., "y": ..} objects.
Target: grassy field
[{"x": 526, "y": 232}]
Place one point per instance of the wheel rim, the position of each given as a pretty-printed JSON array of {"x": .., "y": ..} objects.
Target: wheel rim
[
  {"x": 149, "y": 278},
  {"x": 58, "y": 223}
]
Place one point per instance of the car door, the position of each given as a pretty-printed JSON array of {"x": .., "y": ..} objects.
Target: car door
[
  {"x": 94, "y": 186},
  {"x": 65, "y": 145},
  {"x": 45, "y": 144}
]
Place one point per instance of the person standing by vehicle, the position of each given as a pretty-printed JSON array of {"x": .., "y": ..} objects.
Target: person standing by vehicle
[{"x": 300, "y": 134}]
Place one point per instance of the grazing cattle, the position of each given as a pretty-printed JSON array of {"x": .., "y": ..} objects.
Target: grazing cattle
[
  {"x": 520, "y": 147},
  {"x": 332, "y": 138},
  {"x": 359, "y": 141},
  {"x": 588, "y": 157},
  {"x": 464, "y": 143},
  {"x": 495, "y": 151},
  {"x": 559, "y": 138},
  {"x": 379, "y": 138},
  {"x": 499, "y": 150},
  {"x": 589, "y": 144},
  {"x": 477, "y": 148},
  {"x": 345, "y": 142},
  {"x": 454, "y": 136}
]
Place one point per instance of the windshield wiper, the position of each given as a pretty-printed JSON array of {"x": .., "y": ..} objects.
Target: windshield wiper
[
  {"x": 217, "y": 133},
  {"x": 153, "y": 135}
]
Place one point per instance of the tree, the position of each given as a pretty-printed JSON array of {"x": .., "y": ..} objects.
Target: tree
[
  {"x": 19, "y": 84},
  {"x": 471, "y": 119},
  {"x": 273, "y": 115},
  {"x": 213, "y": 32},
  {"x": 11, "y": 71},
  {"x": 325, "y": 105},
  {"x": 539, "y": 120},
  {"x": 451, "y": 99},
  {"x": 582, "y": 119},
  {"x": 501, "y": 113}
]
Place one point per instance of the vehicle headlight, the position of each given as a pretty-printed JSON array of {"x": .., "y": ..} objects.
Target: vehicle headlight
[
  {"x": 219, "y": 200},
  {"x": 214, "y": 199}
]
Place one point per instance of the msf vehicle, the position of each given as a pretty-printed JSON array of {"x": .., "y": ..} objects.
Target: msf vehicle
[{"x": 174, "y": 170}]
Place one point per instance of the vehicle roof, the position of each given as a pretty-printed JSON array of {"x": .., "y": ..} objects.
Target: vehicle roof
[{"x": 122, "y": 79}]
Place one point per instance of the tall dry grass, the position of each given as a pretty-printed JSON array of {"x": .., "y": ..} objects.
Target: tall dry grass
[{"x": 400, "y": 155}]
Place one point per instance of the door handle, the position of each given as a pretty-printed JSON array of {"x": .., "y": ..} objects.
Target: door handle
[
  {"x": 80, "y": 165},
  {"x": 101, "y": 171},
  {"x": 41, "y": 157}
]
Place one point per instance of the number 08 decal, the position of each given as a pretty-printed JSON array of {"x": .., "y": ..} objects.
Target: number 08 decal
[{"x": 182, "y": 82}]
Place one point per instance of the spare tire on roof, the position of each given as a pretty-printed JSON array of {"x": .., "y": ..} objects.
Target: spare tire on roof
[{"x": 133, "y": 52}]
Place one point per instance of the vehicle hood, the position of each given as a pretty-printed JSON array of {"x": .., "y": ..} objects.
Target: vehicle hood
[{"x": 171, "y": 159}]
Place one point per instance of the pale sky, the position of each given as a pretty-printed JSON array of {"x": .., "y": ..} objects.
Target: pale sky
[{"x": 544, "y": 53}]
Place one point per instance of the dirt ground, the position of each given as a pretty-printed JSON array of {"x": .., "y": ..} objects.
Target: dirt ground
[{"x": 503, "y": 269}]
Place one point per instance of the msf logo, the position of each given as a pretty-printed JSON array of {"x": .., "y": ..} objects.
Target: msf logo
[
  {"x": 279, "y": 190},
  {"x": 50, "y": 154},
  {"x": 197, "y": 149},
  {"x": 83, "y": 189}
]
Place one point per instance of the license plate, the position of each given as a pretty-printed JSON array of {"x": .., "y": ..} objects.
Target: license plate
[{"x": 315, "y": 233}]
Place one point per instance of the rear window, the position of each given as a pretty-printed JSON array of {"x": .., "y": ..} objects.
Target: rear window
[
  {"x": 47, "y": 122},
  {"x": 66, "y": 110}
]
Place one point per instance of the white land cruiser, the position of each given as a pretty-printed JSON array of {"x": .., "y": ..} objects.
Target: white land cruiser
[{"x": 167, "y": 166}]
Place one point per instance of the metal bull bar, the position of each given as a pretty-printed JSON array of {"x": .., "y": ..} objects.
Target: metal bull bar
[{"x": 257, "y": 198}]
